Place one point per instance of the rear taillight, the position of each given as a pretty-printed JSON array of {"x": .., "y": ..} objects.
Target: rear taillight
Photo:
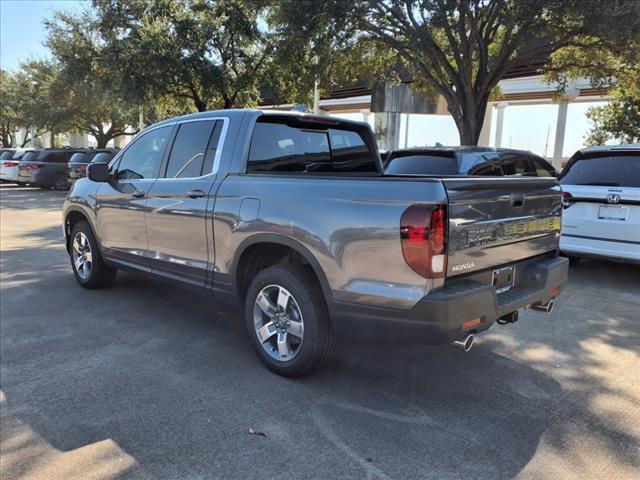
[
  {"x": 423, "y": 234},
  {"x": 33, "y": 166},
  {"x": 10, "y": 164},
  {"x": 566, "y": 199}
]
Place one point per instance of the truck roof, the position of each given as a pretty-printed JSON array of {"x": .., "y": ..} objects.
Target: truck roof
[{"x": 237, "y": 113}]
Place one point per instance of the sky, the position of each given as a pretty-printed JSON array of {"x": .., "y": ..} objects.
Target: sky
[
  {"x": 21, "y": 29},
  {"x": 22, "y": 34}
]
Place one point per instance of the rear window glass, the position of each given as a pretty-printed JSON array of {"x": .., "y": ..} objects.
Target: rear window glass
[
  {"x": 102, "y": 157},
  {"x": 30, "y": 156},
  {"x": 516, "y": 165},
  {"x": 79, "y": 157},
  {"x": 53, "y": 157},
  {"x": 610, "y": 170},
  {"x": 277, "y": 147},
  {"x": 6, "y": 156},
  {"x": 423, "y": 164}
]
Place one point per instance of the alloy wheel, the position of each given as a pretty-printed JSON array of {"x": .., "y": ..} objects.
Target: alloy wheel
[
  {"x": 278, "y": 323},
  {"x": 82, "y": 257}
]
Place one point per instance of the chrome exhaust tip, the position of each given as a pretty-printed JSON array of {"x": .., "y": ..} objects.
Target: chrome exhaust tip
[
  {"x": 544, "y": 307},
  {"x": 464, "y": 344}
]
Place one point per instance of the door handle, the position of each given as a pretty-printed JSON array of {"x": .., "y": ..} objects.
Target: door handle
[
  {"x": 196, "y": 193},
  {"x": 138, "y": 193}
]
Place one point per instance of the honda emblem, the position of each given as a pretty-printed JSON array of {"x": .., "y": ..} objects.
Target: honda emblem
[{"x": 613, "y": 198}]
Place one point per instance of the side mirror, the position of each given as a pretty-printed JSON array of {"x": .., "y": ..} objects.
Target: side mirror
[{"x": 98, "y": 172}]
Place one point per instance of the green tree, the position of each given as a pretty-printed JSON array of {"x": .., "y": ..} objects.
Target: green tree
[
  {"x": 615, "y": 67},
  {"x": 212, "y": 53},
  {"x": 461, "y": 49},
  {"x": 85, "y": 86},
  {"x": 43, "y": 104},
  {"x": 318, "y": 41}
]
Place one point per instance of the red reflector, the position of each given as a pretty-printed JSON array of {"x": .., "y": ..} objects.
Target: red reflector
[
  {"x": 423, "y": 239},
  {"x": 471, "y": 323},
  {"x": 555, "y": 291}
]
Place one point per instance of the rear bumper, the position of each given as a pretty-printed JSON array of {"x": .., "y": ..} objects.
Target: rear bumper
[
  {"x": 601, "y": 248},
  {"x": 440, "y": 317}
]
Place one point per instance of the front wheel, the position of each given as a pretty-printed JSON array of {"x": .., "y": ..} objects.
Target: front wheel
[
  {"x": 87, "y": 262},
  {"x": 288, "y": 321}
]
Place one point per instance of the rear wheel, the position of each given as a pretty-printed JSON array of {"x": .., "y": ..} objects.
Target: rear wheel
[
  {"x": 59, "y": 182},
  {"x": 87, "y": 262},
  {"x": 288, "y": 321},
  {"x": 574, "y": 261}
]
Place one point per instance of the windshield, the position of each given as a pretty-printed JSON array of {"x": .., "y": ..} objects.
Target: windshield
[
  {"x": 424, "y": 164},
  {"x": 619, "y": 169}
]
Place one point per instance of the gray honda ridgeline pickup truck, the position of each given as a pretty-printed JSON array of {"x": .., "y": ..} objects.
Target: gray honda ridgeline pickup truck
[{"x": 291, "y": 216}]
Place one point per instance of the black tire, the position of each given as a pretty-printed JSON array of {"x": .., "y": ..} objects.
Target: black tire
[
  {"x": 573, "y": 261},
  {"x": 318, "y": 344},
  {"x": 59, "y": 182},
  {"x": 100, "y": 274}
]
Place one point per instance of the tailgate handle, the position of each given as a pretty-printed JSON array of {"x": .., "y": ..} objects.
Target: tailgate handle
[{"x": 517, "y": 199}]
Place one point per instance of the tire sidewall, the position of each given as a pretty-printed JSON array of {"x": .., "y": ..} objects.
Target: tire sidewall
[{"x": 313, "y": 314}]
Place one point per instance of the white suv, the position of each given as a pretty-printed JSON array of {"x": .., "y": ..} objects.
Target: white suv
[{"x": 601, "y": 217}]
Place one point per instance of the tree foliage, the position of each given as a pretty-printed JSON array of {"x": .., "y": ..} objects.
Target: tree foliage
[
  {"x": 319, "y": 41},
  {"x": 85, "y": 85},
  {"x": 463, "y": 48},
  {"x": 614, "y": 64},
  {"x": 212, "y": 53}
]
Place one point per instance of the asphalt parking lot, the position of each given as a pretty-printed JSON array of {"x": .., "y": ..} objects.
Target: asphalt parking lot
[{"x": 146, "y": 380}]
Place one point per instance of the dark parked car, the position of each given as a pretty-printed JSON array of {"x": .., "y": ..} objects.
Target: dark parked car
[
  {"x": 46, "y": 168},
  {"x": 77, "y": 166},
  {"x": 468, "y": 161},
  {"x": 291, "y": 216}
]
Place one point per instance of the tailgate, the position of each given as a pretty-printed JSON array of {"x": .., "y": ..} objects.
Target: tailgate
[{"x": 496, "y": 221}]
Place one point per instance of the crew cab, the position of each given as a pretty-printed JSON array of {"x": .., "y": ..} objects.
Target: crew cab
[
  {"x": 292, "y": 217},
  {"x": 601, "y": 188}
]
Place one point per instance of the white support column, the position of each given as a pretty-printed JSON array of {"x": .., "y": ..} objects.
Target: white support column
[
  {"x": 561, "y": 125},
  {"x": 121, "y": 141},
  {"x": 79, "y": 140},
  {"x": 500, "y": 107},
  {"x": 485, "y": 133},
  {"x": 387, "y": 130},
  {"x": 406, "y": 132}
]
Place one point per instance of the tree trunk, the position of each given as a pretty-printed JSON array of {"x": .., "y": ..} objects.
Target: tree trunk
[
  {"x": 470, "y": 119},
  {"x": 52, "y": 138},
  {"x": 102, "y": 140},
  {"x": 200, "y": 105}
]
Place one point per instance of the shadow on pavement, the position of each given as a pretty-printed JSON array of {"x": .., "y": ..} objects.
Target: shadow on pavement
[{"x": 171, "y": 381}]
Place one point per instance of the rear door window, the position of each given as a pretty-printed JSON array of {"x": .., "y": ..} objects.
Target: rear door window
[
  {"x": 429, "y": 164},
  {"x": 619, "y": 169},
  {"x": 189, "y": 150}
]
